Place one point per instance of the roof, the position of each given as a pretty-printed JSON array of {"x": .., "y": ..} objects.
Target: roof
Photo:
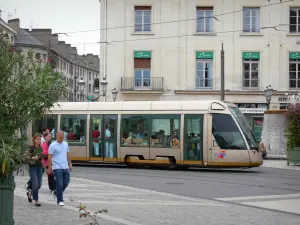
[
  {"x": 27, "y": 39},
  {"x": 200, "y": 105}
]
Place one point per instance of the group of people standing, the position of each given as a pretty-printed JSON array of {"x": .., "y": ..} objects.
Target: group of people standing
[{"x": 52, "y": 157}]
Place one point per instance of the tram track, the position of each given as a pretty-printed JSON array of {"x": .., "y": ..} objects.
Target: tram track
[{"x": 253, "y": 178}]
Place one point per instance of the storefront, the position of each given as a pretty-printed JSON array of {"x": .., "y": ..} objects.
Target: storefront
[{"x": 254, "y": 113}]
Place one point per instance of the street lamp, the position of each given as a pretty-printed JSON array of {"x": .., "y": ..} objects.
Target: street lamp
[
  {"x": 96, "y": 91},
  {"x": 114, "y": 94},
  {"x": 268, "y": 94}
]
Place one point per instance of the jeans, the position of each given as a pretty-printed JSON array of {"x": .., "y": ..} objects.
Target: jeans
[
  {"x": 62, "y": 177},
  {"x": 36, "y": 176},
  {"x": 96, "y": 148}
]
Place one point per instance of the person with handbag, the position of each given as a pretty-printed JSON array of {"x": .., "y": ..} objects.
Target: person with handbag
[
  {"x": 45, "y": 147},
  {"x": 36, "y": 169}
]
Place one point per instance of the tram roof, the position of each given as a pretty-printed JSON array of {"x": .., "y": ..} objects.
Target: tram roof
[{"x": 199, "y": 105}]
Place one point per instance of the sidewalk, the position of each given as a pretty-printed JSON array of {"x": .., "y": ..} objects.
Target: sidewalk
[
  {"x": 48, "y": 214},
  {"x": 279, "y": 164}
]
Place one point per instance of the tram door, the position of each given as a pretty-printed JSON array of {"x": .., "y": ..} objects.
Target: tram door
[
  {"x": 103, "y": 138},
  {"x": 228, "y": 147},
  {"x": 193, "y": 139}
]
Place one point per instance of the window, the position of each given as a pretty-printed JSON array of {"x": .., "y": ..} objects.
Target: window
[
  {"x": 250, "y": 73},
  {"x": 74, "y": 127},
  {"x": 142, "y": 18},
  {"x": 251, "y": 20},
  {"x": 142, "y": 72},
  {"x": 294, "y": 20},
  {"x": 165, "y": 132},
  {"x": 204, "y": 73},
  {"x": 65, "y": 65},
  {"x": 70, "y": 97},
  {"x": 294, "y": 70},
  {"x": 205, "y": 19},
  {"x": 44, "y": 58},
  {"x": 38, "y": 56},
  {"x": 90, "y": 88},
  {"x": 134, "y": 130},
  {"x": 90, "y": 76},
  {"x": 47, "y": 121},
  {"x": 227, "y": 133}
]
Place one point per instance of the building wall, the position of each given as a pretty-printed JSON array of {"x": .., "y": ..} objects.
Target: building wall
[
  {"x": 174, "y": 45},
  {"x": 5, "y": 30}
]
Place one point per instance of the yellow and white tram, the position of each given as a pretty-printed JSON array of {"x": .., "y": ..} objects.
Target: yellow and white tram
[{"x": 174, "y": 133}]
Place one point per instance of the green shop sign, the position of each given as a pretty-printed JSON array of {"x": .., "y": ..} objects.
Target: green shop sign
[
  {"x": 91, "y": 98},
  {"x": 143, "y": 54},
  {"x": 251, "y": 55},
  {"x": 204, "y": 55},
  {"x": 294, "y": 55}
]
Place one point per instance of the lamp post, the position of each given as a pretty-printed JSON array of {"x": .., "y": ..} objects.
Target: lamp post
[
  {"x": 114, "y": 94},
  {"x": 268, "y": 94},
  {"x": 96, "y": 91}
]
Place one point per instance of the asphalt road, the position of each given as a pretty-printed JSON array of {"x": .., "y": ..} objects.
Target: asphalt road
[{"x": 200, "y": 183}]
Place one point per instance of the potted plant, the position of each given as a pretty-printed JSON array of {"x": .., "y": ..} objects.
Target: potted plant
[
  {"x": 28, "y": 89},
  {"x": 293, "y": 134}
]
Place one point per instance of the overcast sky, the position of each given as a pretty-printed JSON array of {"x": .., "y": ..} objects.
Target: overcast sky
[{"x": 61, "y": 16}]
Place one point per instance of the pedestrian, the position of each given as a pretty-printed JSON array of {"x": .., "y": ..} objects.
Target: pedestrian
[
  {"x": 59, "y": 163},
  {"x": 44, "y": 131},
  {"x": 36, "y": 170},
  {"x": 45, "y": 147}
]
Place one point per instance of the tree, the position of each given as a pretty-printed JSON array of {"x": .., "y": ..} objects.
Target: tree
[{"x": 28, "y": 89}]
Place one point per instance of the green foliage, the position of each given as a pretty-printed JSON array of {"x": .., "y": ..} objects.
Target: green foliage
[
  {"x": 28, "y": 89},
  {"x": 293, "y": 126}
]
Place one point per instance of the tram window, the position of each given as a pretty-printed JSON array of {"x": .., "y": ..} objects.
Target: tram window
[
  {"x": 134, "y": 130},
  {"x": 47, "y": 121},
  {"x": 226, "y": 132},
  {"x": 165, "y": 131},
  {"x": 74, "y": 127}
]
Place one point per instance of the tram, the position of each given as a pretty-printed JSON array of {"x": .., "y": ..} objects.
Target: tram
[{"x": 170, "y": 133}]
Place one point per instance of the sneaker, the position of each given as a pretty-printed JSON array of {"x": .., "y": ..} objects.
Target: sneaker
[{"x": 61, "y": 204}]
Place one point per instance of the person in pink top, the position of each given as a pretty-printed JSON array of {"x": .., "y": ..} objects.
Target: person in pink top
[{"x": 45, "y": 147}]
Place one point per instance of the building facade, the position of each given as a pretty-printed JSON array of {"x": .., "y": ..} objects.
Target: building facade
[
  {"x": 7, "y": 32},
  {"x": 63, "y": 58},
  {"x": 171, "y": 49}
]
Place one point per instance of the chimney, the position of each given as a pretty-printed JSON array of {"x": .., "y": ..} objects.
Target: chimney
[{"x": 15, "y": 25}]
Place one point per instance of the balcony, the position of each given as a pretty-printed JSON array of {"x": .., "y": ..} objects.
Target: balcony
[{"x": 131, "y": 85}]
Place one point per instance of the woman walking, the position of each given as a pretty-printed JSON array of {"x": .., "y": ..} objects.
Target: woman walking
[
  {"x": 45, "y": 147},
  {"x": 36, "y": 170}
]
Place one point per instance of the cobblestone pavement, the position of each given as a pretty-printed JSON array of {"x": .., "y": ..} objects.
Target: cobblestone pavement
[{"x": 135, "y": 206}]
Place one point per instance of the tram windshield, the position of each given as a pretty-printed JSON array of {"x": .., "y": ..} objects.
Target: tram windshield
[{"x": 245, "y": 126}]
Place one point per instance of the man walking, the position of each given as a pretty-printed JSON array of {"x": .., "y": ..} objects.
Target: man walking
[{"x": 60, "y": 164}]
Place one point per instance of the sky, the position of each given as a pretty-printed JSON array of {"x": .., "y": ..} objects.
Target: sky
[{"x": 62, "y": 16}]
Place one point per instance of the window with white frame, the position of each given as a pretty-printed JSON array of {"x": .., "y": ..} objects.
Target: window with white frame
[
  {"x": 294, "y": 20},
  {"x": 204, "y": 73},
  {"x": 294, "y": 71},
  {"x": 251, "y": 19},
  {"x": 205, "y": 19},
  {"x": 142, "y": 18},
  {"x": 251, "y": 73},
  {"x": 142, "y": 78}
]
